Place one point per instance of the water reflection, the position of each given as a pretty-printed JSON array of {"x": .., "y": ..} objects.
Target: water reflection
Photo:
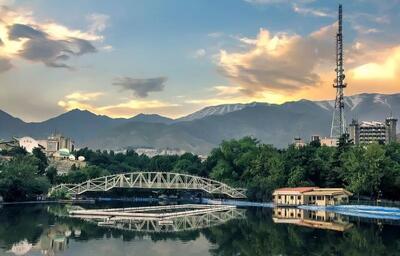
[
  {"x": 186, "y": 219},
  {"x": 42, "y": 230},
  {"x": 312, "y": 219}
]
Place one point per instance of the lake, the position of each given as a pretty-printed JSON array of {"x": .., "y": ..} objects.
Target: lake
[{"x": 48, "y": 230}]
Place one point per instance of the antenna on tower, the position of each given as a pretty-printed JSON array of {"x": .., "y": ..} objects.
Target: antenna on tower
[{"x": 338, "y": 120}]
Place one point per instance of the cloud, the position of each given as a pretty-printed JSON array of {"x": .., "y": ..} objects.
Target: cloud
[
  {"x": 266, "y": 1},
  {"x": 18, "y": 31},
  {"x": 54, "y": 53},
  {"x": 87, "y": 101},
  {"x": 364, "y": 30},
  {"x": 277, "y": 1},
  {"x": 141, "y": 87},
  {"x": 98, "y": 22},
  {"x": 311, "y": 11},
  {"x": 280, "y": 62},
  {"x": 5, "y": 65},
  {"x": 1, "y": 42},
  {"x": 233, "y": 94},
  {"x": 199, "y": 53},
  {"x": 84, "y": 96},
  {"x": 222, "y": 90},
  {"x": 40, "y": 48},
  {"x": 388, "y": 69},
  {"x": 46, "y": 42},
  {"x": 7, "y": 2},
  {"x": 215, "y": 34}
]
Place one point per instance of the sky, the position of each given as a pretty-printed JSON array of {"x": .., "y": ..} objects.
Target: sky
[{"x": 172, "y": 57}]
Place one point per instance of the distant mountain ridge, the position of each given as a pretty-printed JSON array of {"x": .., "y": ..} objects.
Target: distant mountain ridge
[
  {"x": 218, "y": 110},
  {"x": 202, "y": 130}
]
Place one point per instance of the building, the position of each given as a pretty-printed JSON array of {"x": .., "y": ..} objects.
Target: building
[
  {"x": 298, "y": 142},
  {"x": 329, "y": 142},
  {"x": 29, "y": 144},
  {"x": 315, "y": 138},
  {"x": 55, "y": 142},
  {"x": 312, "y": 219},
  {"x": 310, "y": 196},
  {"x": 152, "y": 152},
  {"x": 373, "y": 131},
  {"x": 8, "y": 145}
]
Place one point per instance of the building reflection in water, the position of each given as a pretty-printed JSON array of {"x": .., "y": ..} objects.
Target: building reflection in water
[
  {"x": 53, "y": 240},
  {"x": 21, "y": 248},
  {"x": 312, "y": 219}
]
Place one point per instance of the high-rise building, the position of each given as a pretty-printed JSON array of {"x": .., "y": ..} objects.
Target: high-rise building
[
  {"x": 315, "y": 138},
  {"x": 391, "y": 129},
  {"x": 354, "y": 132},
  {"x": 373, "y": 131},
  {"x": 55, "y": 142}
]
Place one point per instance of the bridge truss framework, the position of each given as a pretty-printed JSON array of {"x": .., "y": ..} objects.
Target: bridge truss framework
[{"x": 151, "y": 180}]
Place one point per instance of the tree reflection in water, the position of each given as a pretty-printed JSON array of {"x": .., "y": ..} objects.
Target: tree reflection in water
[{"x": 257, "y": 234}]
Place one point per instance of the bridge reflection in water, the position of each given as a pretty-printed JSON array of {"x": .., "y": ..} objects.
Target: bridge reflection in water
[
  {"x": 171, "y": 218},
  {"x": 312, "y": 219}
]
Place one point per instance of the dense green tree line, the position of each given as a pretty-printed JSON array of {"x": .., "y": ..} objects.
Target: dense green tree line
[
  {"x": 366, "y": 170},
  {"x": 370, "y": 170},
  {"x": 23, "y": 177}
]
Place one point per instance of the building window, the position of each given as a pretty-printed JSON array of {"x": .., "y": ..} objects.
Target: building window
[
  {"x": 291, "y": 197},
  {"x": 299, "y": 198}
]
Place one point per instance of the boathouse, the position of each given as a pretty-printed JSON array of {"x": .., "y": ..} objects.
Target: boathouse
[{"x": 310, "y": 196}]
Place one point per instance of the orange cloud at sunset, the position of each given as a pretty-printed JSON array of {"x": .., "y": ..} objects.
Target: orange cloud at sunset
[{"x": 284, "y": 67}]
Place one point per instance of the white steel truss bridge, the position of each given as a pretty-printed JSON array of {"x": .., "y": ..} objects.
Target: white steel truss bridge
[{"x": 151, "y": 180}]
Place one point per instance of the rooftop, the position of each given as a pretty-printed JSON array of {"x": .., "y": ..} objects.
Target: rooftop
[
  {"x": 296, "y": 189},
  {"x": 313, "y": 191},
  {"x": 371, "y": 124}
]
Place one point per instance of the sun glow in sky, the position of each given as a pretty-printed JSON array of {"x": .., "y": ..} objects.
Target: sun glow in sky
[{"x": 171, "y": 57}]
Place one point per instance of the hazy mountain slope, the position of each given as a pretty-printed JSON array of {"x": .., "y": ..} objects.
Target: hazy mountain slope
[
  {"x": 9, "y": 124},
  {"x": 78, "y": 124},
  {"x": 270, "y": 123},
  {"x": 151, "y": 118},
  {"x": 81, "y": 125},
  {"x": 217, "y": 110},
  {"x": 138, "y": 134},
  {"x": 367, "y": 106},
  {"x": 204, "y": 129}
]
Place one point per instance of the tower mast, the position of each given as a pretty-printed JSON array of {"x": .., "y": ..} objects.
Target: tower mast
[{"x": 338, "y": 120}]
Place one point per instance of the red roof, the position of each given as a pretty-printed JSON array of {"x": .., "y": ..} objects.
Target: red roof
[{"x": 297, "y": 189}]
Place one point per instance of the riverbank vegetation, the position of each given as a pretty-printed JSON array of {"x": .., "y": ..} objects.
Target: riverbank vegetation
[{"x": 368, "y": 170}]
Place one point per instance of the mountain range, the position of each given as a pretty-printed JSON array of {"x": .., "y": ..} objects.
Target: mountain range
[{"x": 200, "y": 131}]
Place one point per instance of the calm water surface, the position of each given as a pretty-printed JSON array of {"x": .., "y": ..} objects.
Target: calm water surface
[{"x": 47, "y": 230}]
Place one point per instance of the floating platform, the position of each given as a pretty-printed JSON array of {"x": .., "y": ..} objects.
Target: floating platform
[{"x": 152, "y": 212}]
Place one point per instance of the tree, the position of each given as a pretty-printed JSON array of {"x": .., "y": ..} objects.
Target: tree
[
  {"x": 42, "y": 163},
  {"x": 51, "y": 174},
  {"x": 19, "y": 180},
  {"x": 363, "y": 169}
]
